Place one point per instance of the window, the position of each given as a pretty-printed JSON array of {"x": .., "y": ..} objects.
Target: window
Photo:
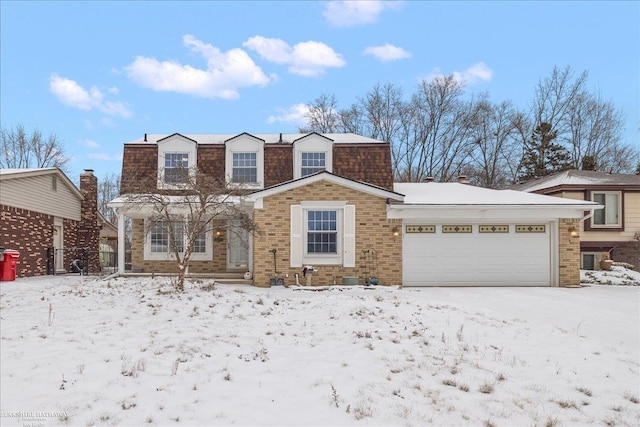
[
  {"x": 176, "y": 168},
  {"x": 322, "y": 232},
  {"x": 312, "y": 163},
  {"x": 588, "y": 261},
  {"x": 160, "y": 238},
  {"x": 610, "y": 214},
  {"x": 245, "y": 168}
]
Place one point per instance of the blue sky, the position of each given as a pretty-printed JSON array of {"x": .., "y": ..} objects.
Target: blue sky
[{"x": 99, "y": 74}]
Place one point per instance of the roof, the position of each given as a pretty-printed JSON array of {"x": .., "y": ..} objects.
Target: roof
[
  {"x": 325, "y": 176},
  {"x": 579, "y": 179},
  {"x": 268, "y": 138},
  {"x": 456, "y": 194},
  {"x": 10, "y": 173}
]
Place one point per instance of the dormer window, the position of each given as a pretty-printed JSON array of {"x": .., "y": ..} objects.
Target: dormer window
[
  {"x": 244, "y": 161},
  {"x": 177, "y": 160},
  {"x": 176, "y": 168},
  {"x": 312, "y": 153},
  {"x": 312, "y": 163},
  {"x": 245, "y": 168}
]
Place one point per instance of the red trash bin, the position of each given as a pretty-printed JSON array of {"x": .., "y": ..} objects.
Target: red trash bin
[{"x": 8, "y": 266}]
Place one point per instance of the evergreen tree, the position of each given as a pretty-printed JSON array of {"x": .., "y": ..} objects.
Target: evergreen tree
[{"x": 542, "y": 156}]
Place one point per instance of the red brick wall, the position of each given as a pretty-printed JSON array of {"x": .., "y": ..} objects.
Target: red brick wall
[
  {"x": 88, "y": 231},
  {"x": 29, "y": 232}
]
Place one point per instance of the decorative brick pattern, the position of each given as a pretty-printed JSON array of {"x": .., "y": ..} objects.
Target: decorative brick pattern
[
  {"x": 373, "y": 231},
  {"x": 569, "y": 253}
]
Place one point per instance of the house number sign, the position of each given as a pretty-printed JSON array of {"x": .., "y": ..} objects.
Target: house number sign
[
  {"x": 420, "y": 228},
  {"x": 494, "y": 228},
  {"x": 533, "y": 228},
  {"x": 456, "y": 229}
]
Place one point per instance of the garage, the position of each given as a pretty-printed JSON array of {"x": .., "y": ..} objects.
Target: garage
[
  {"x": 456, "y": 234},
  {"x": 460, "y": 254}
]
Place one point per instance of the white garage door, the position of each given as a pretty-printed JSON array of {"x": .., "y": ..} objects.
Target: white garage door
[{"x": 476, "y": 255}]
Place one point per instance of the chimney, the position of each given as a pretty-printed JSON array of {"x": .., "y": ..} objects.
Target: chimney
[
  {"x": 428, "y": 179},
  {"x": 280, "y": 140},
  {"x": 145, "y": 137},
  {"x": 462, "y": 179},
  {"x": 88, "y": 229}
]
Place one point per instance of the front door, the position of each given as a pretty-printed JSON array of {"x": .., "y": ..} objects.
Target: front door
[{"x": 237, "y": 249}]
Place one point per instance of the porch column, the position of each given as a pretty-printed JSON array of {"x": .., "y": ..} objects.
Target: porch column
[{"x": 121, "y": 241}]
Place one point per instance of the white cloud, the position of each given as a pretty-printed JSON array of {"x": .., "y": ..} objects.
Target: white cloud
[
  {"x": 476, "y": 73},
  {"x": 295, "y": 114},
  {"x": 105, "y": 156},
  {"x": 89, "y": 143},
  {"x": 226, "y": 72},
  {"x": 70, "y": 93},
  {"x": 387, "y": 52},
  {"x": 307, "y": 59},
  {"x": 351, "y": 13}
]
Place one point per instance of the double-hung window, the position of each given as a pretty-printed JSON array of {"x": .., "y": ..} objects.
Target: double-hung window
[
  {"x": 161, "y": 237},
  {"x": 322, "y": 232},
  {"x": 245, "y": 168},
  {"x": 161, "y": 241},
  {"x": 176, "y": 168},
  {"x": 609, "y": 216},
  {"x": 312, "y": 163}
]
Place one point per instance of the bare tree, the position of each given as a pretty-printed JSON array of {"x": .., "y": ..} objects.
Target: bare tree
[
  {"x": 323, "y": 115},
  {"x": 108, "y": 189},
  {"x": 436, "y": 137},
  {"x": 201, "y": 206},
  {"x": 495, "y": 136},
  {"x": 20, "y": 149}
]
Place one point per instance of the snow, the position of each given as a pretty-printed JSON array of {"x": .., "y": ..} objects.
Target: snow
[
  {"x": 80, "y": 351},
  {"x": 453, "y": 193}
]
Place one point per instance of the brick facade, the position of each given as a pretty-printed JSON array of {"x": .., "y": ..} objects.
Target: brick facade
[
  {"x": 568, "y": 253},
  {"x": 373, "y": 231},
  {"x": 88, "y": 229},
  {"x": 29, "y": 232}
]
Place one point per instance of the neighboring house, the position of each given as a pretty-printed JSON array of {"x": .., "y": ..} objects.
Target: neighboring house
[
  {"x": 614, "y": 230},
  {"x": 48, "y": 219},
  {"x": 329, "y": 201}
]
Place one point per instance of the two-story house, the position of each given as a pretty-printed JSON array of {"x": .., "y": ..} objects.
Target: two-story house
[
  {"x": 329, "y": 200},
  {"x": 612, "y": 231}
]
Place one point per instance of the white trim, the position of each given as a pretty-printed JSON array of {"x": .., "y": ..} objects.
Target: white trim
[
  {"x": 174, "y": 145},
  {"x": 312, "y": 143},
  {"x": 170, "y": 256},
  {"x": 604, "y": 209},
  {"x": 245, "y": 144},
  {"x": 325, "y": 176}
]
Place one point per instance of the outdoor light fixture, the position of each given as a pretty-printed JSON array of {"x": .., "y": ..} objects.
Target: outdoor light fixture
[
  {"x": 55, "y": 231},
  {"x": 573, "y": 232},
  {"x": 395, "y": 232},
  {"x": 218, "y": 233}
]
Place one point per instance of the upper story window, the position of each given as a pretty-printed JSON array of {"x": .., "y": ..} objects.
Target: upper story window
[
  {"x": 312, "y": 163},
  {"x": 312, "y": 153},
  {"x": 245, "y": 168},
  {"x": 177, "y": 159},
  {"x": 244, "y": 161},
  {"x": 176, "y": 168},
  {"x": 610, "y": 215}
]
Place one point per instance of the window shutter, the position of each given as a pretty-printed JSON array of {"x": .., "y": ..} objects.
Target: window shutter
[
  {"x": 296, "y": 236},
  {"x": 349, "y": 255}
]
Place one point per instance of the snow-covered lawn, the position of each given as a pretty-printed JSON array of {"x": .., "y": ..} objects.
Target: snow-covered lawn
[{"x": 77, "y": 351}]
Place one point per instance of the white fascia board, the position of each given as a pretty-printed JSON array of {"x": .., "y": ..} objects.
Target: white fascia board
[
  {"x": 135, "y": 206},
  {"x": 488, "y": 212},
  {"x": 324, "y": 176}
]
